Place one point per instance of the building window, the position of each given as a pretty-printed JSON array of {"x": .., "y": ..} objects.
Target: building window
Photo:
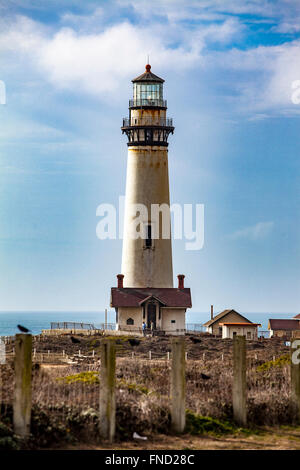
[
  {"x": 130, "y": 321},
  {"x": 248, "y": 334},
  {"x": 173, "y": 321},
  {"x": 148, "y": 236},
  {"x": 234, "y": 333}
]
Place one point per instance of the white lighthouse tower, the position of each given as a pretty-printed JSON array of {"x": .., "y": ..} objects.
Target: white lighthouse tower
[
  {"x": 147, "y": 260},
  {"x": 145, "y": 293}
]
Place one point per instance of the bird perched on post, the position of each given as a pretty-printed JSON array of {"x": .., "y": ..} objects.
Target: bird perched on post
[
  {"x": 134, "y": 342},
  {"x": 75, "y": 340},
  {"x": 23, "y": 329}
]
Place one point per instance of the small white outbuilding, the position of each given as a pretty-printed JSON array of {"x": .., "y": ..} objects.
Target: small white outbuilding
[{"x": 249, "y": 330}]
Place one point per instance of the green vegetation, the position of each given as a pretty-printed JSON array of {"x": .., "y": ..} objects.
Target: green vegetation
[
  {"x": 279, "y": 362},
  {"x": 133, "y": 387},
  {"x": 8, "y": 440},
  {"x": 88, "y": 378},
  {"x": 197, "y": 424},
  {"x": 92, "y": 377}
]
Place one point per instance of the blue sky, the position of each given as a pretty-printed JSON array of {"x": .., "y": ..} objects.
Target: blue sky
[{"x": 229, "y": 68}]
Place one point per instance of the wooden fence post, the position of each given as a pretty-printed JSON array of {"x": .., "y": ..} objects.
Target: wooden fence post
[
  {"x": 178, "y": 384},
  {"x": 239, "y": 380},
  {"x": 22, "y": 391},
  {"x": 295, "y": 373},
  {"x": 2, "y": 352},
  {"x": 107, "y": 389}
]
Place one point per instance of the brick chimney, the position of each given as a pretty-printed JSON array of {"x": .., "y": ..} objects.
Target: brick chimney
[
  {"x": 181, "y": 281},
  {"x": 211, "y": 312},
  {"x": 120, "y": 280}
]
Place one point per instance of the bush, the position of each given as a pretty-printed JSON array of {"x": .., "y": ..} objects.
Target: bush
[
  {"x": 8, "y": 441},
  {"x": 196, "y": 424},
  {"x": 279, "y": 362}
]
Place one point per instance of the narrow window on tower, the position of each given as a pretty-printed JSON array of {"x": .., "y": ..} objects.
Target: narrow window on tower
[
  {"x": 149, "y": 137},
  {"x": 148, "y": 236}
]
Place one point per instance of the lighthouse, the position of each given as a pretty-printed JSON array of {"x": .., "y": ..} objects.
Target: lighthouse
[
  {"x": 145, "y": 292},
  {"x": 147, "y": 260}
]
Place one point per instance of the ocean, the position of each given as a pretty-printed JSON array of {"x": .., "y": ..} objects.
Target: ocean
[{"x": 38, "y": 321}]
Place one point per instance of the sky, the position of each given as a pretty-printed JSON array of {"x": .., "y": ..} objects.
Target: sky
[{"x": 229, "y": 70}]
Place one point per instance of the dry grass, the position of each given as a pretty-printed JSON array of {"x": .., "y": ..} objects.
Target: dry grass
[{"x": 66, "y": 397}]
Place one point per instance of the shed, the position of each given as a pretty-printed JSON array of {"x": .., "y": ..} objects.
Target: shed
[
  {"x": 214, "y": 326},
  {"x": 231, "y": 329}
]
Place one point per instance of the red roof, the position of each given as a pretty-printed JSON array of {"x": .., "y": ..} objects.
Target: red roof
[
  {"x": 134, "y": 296},
  {"x": 241, "y": 324},
  {"x": 278, "y": 324},
  {"x": 297, "y": 316}
]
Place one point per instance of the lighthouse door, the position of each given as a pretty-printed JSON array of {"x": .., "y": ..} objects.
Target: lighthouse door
[{"x": 151, "y": 315}]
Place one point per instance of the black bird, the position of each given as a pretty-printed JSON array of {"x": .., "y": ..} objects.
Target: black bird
[
  {"x": 134, "y": 342},
  {"x": 23, "y": 329},
  {"x": 195, "y": 340},
  {"x": 75, "y": 340},
  {"x": 204, "y": 376}
]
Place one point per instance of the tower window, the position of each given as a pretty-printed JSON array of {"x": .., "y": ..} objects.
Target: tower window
[
  {"x": 130, "y": 321},
  {"x": 148, "y": 236},
  {"x": 149, "y": 137}
]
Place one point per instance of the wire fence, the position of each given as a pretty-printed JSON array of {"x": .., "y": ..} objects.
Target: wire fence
[
  {"x": 64, "y": 385},
  {"x": 71, "y": 326}
]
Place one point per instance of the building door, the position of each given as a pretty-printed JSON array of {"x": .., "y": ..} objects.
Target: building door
[{"x": 151, "y": 315}]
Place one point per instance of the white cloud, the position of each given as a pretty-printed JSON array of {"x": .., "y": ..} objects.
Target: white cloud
[
  {"x": 263, "y": 77},
  {"x": 255, "y": 232},
  {"x": 99, "y": 61},
  {"x": 20, "y": 35}
]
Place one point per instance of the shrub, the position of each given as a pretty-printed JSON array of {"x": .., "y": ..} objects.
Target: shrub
[
  {"x": 8, "y": 441},
  {"x": 196, "y": 424},
  {"x": 279, "y": 362}
]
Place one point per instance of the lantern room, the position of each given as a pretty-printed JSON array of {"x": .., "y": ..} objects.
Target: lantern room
[{"x": 147, "y": 90}]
